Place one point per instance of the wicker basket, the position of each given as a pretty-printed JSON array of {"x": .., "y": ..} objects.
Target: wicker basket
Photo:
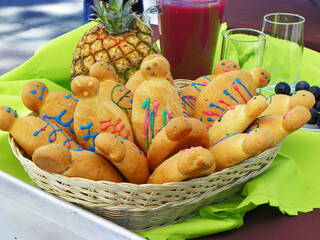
[{"x": 147, "y": 206}]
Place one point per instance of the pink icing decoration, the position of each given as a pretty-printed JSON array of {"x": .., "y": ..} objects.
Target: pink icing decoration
[
  {"x": 235, "y": 87},
  {"x": 222, "y": 101},
  {"x": 146, "y": 123},
  {"x": 210, "y": 113}
]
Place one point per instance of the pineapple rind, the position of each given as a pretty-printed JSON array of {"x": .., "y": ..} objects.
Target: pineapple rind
[{"x": 125, "y": 51}]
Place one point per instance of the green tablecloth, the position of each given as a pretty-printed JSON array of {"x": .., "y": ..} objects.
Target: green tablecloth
[{"x": 291, "y": 183}]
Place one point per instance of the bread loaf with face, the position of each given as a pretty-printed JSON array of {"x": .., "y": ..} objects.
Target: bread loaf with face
[
  {"x": 33, "y": 132},
  {"x": 155, "y": 102},
  {"x": 110, "y": 88},
  {"x": 54, "y": 106},
  {"x": 95, "y": 114}
]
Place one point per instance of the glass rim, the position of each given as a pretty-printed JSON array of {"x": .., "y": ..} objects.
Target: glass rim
[
  {"x": 247, "y": 30},
  {"x": 192, "y": 2},
  {"x": 300, "y": 18}
]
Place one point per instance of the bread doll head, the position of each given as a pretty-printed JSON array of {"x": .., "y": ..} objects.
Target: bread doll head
[
  {"x": 224, "y": 66},
  {"x": 103, "y": 71},
  {"x": 33, "y": 95},
  {"x": 157, "y": 67},
  {"x": 296, "y": 118},
  {"x": 84, "y": 86},
  {"x": 261, "y": 77},
  {"x": 7, "y": 118},
  {"x": 302, "y": 98}
]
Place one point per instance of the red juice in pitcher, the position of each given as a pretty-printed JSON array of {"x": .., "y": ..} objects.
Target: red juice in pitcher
[{"x": 188, "y": 34}]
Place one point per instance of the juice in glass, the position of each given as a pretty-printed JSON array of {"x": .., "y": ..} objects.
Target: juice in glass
[{"x": 188, "y": 34}]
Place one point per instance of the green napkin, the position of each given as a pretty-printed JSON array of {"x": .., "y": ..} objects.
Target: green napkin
[{"x": 291, "y": 183}]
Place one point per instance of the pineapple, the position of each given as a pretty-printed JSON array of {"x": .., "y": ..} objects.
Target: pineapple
[{"x": 120, "y": 38}]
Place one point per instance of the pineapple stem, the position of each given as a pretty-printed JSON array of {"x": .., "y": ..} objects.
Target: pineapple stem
[{"x": 114, "y": 15}]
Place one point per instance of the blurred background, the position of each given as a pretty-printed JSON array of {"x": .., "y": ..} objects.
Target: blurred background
[{"x": 27, "y": 24}]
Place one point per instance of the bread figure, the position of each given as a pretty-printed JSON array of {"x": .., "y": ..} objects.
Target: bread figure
[
  {"x": 56, "y": 158},
  {"x": 190, "y": 94},
  {"x": 228, "y": 89},
  {"x": 54, "y": 106},
  {"x": 235, "y": 148},
  {"x": 280, "y": 104},
  {"x": 125, "y": 156},
  {"x": 282, "y": 126},
  {"x": 155, "y": 102},
  {"x": 180, "y": 133},
  {"x": 95, "y": 114},
  {"x": 136, "y": 79},
  {"x": 33, "y": 132},
  {"x": 261, "y": 77},
  {"x": 186, "y": 164},
  {"x": 237, "y": 118},
  {"x": 110, "y": 88}
]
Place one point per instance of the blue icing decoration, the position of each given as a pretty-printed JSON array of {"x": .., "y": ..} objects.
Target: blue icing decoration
[
  {"x": 58, "y": 120},
  {"x": 86, "y": 137},
  {"x": 228, "y": 94},
  {"x": 239, "y": 81},
  {"x": 222, "y": 139},
  {"x": 70, "y": 97},
  {"x": 216, "y": 106}
]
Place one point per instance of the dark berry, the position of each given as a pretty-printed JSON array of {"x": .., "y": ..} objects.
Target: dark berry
[
  {"x": 314, "y": 116},
  {"x": 302, "y": 85},
  {"x": 317, "y": 105},
  {"x": 282, "y": 88},
  {"x": 318, "y": 122},
  {"x": 315, "y": 90}
]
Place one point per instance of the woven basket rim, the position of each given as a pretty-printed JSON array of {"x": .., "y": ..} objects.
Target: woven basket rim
[{"x": 13, "y": 144}]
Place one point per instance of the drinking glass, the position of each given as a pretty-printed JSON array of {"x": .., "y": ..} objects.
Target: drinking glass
[
  {"x": 189, "y": 31},
  {"x": 284, "y": 49},
  {"x": 244, "y": 46}
]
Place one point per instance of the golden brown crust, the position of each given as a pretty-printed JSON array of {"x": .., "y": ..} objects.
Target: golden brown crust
[
  {"x": 190, "y": 94},
  {"x": 155, "y": 102},
  {"x": 233, "y": 149},
  {"x": 95, "y": 114},
  {"x": 32, "y": 132},
  {"x": 180, "y": 133},
  {"x": 89, "y": 165},
  {"x": 52, "y": 158},
  {"x": 125, "y": 156},
  {"x": 136, "y": 79},
  {"x": 261, "y": 76},
  {"x": 237, "y": 118},
  {"x": 110, "y": 88},
  {"x": 56, "y": 107},
  {"x": 280, "y": 126},
  {"x": 225, "y": 66},
  {"x": 226, "y": 90},
  {"x": 186, "y": 164},
  {"x": 103, "y": 71},
  {"x": 280, "y": 104}
]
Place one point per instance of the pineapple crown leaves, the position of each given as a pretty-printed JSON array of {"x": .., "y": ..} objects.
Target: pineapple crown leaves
[{"x": 115, "y": 16}]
